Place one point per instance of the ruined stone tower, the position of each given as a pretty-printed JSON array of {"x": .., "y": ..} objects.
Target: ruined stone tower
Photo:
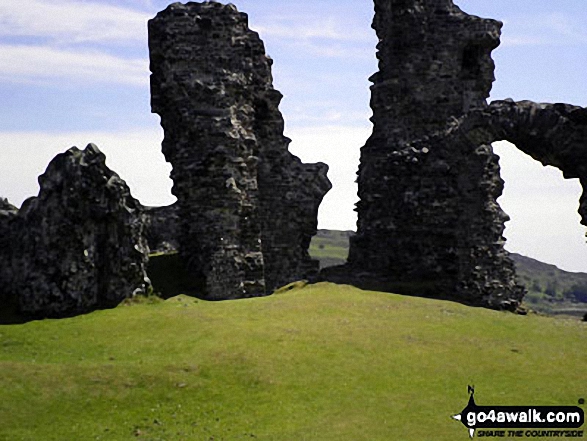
[
  {"x": 428, "y": 218},
  {"x": 247, "y": 207}
]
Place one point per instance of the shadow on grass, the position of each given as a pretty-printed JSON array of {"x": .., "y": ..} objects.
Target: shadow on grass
[{"x": 9, "y": 314}]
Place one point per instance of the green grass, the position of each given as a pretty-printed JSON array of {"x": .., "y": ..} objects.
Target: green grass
[{"x": 319, "y": 362}]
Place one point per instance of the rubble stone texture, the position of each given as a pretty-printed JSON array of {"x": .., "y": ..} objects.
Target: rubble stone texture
[
  {"x": 78, "y": 246},
  {"x": 247, "y": 207},
  {"x": 429, "y": 222},
  {"x": 162, "y": 229},
  {"x": 428, "y": 219},
  {"x": 8, "y": 213}
]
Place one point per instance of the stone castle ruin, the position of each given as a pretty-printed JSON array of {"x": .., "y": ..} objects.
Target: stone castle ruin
[
  {"x": 428, "y": 220},
  {"x": 428, "y": 224}
]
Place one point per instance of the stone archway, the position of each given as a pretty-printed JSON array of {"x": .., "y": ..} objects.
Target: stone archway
[{"x": 429, "y": 221}]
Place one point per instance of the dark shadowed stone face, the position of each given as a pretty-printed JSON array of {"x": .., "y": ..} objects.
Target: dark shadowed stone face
[
  {"x": 8, "y": 213},
  {"x": 247, "y": 208},
  {"x": 78, "y": 246},
  {"x": 428, "y": 220}
]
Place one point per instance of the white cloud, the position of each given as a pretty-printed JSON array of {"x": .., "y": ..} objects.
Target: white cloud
[
  {"x": 328, "y": 37},
  {"x": 325, "y": 29},
  {"x": 330, "y": 50},
  {"x": 72, "y": 21},
  {"x": 543, "y": 207},
  {"x": 136, "y": 156},
  {"x": 19, "y": 63},
  {"x": 553, "y": 29},
  {"x": 339, "y": 147}
]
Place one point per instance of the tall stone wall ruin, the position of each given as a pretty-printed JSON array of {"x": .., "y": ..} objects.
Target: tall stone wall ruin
[
  {"x": 429, "y": 222},
  {"x": 247, "y": 207}
]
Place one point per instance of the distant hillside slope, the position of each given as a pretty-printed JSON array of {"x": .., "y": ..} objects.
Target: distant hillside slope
[
  {"x": 331, "y": 247},
  {"x": 550, "y": 289}
]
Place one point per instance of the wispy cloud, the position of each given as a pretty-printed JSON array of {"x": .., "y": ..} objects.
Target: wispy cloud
[
  {"x": 135, "y": 155},
  {"x": 524, "y": 40},
  {"x": 70, "y": 22},
  {"x": 329, "y": 38},
  {"x": 74, "y": 41},
  {"x": 40, "y": 64},
  {"x": 567, "y": 26},
  {"x": 331, "y": 50},
  {"x": 552, "y": 29},
  {"x": 327, "y": 30}
]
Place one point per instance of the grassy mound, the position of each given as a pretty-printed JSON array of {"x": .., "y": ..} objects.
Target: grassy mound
[{"x": 320, "y": 362}]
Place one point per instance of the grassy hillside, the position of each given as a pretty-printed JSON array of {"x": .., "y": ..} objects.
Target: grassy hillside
[
  {"x": 550, "y": 290},
  {"x": 321, "y": 362},
  {"x": 331, "y": 247}
]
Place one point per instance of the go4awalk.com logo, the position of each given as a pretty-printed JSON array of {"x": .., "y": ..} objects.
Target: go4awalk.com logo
[{"x": 521, "y": 421}]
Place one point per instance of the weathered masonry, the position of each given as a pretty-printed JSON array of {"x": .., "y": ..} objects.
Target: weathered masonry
[
  {"x": 76, "y": 247},
  {"x": 428, "y": 180},
  {"x": 247, "y": 207}
]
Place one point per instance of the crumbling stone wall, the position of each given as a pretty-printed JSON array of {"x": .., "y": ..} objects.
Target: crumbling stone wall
[
  {"x": 79, "y": 245},
  {"x": 290, "y": 194},
  {"x": 428, "y": 221},
  {"x": 247, "y": 207},
  {"x": 8, "y": 213},
  {"x": 162, "y": 229},
  {"x": 554, "y": 134}
]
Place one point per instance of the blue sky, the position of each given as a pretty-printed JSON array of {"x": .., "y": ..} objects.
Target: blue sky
[{"x": 74, "y": 72}]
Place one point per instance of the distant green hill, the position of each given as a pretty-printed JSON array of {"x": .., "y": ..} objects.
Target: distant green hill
[
  {"x": 550, "y": 290},
  {"x": 331, "y": 247},
  {"x": 321, "y": 362}
]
